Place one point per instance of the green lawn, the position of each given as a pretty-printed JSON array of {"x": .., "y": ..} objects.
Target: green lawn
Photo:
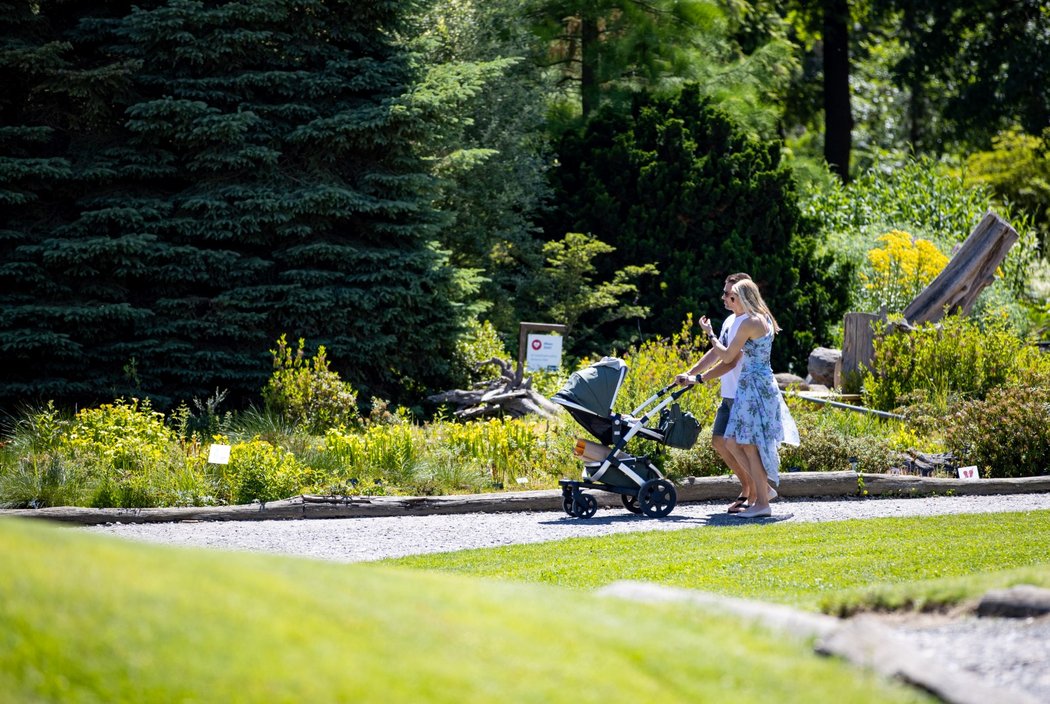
[
  {"x": 88, "y": 618},
  {"x": 837, "y": 566}
]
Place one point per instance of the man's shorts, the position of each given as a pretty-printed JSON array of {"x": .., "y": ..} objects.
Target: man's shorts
[{"x": 722, "y": 418}]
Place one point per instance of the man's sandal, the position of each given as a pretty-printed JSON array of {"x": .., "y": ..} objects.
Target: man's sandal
[{"x": 739, "y": 505}]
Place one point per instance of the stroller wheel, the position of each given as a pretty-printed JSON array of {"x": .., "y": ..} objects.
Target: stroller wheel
[
  {"x": 630, "y": 503},
  {"x": 584, "y": 506},
  {"x": 657, "y": 498}
]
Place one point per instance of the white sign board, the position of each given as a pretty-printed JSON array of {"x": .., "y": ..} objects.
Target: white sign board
[
  {"x": 543, "y": 353},
  {"x": 969, "y": 473},
  {"x": 219, "y": 454}
]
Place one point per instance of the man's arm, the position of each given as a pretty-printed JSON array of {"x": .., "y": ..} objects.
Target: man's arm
[{"x": 721, "y": 368}]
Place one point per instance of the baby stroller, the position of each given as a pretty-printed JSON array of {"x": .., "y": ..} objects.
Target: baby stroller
[{"x": 589, "y": 396}]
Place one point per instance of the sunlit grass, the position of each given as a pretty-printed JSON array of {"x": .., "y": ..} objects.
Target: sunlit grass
[
  {"x": 836, "y": 566},
  {"x": 89, "y": 618}
]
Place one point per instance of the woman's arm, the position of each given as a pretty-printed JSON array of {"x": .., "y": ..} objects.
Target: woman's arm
[{"x": 750, "y": 329}]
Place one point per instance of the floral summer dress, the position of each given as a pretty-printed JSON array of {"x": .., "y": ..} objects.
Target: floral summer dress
[{"x": 759, "y": 415}]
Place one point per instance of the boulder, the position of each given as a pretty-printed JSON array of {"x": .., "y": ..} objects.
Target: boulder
[
  {"x": 785, "y": 380},
  {"x": 822, "y": 363}
]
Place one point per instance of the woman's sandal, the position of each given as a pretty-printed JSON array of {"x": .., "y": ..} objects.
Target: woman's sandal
[{"x": 739, "y": 505}]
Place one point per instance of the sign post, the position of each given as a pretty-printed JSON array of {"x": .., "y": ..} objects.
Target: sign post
[{"x": 541, "y": 351}]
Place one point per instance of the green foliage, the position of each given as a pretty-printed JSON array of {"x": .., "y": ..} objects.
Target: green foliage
[
  {"x": 921, "y": 197},
  {"x": 479, "y": 343},
  {"x": 488, "y": 149},
  {"x": 567, "y": 293},
  {"x": 1005, "y": 434},
  {"x": 655, "y": 363},
  {"x": 955, "y": 358},
  {"x": 258, "y": 471},
  {"x": 446, "y": 456},
  {"x": 306, "y": 392},
  {"x": 246, "y": 169},
  {"x": 826, "y": 449},
  {"x": 1017, "y": 170},
  {"x": 607, "y": 52},
  {"x": 674, "y": 182},
  {"x": 973, "y": 65}
]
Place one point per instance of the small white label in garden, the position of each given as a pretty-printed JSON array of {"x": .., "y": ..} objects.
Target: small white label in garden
[
  {"x": 522, "y": 480},
  {"x": 219, "y": 454},
  {"x": 968, "y": 473}
]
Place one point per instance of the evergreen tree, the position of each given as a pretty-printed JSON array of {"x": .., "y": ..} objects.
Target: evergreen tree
[
  {"x": 49, "y": 330},
  {"x": 674, "y": 183},
  {"x": 256, "y": 175}
]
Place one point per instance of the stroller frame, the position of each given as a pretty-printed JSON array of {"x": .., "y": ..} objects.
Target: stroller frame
[{"x": 653, "y": 495}]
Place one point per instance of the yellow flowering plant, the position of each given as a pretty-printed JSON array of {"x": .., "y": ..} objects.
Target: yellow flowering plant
[{"x": 898, "y": 270}]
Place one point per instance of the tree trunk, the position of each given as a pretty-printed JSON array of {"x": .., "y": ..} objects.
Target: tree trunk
[
  {"x": 589, "y": 84},
  {"x": 838, "y": 117}
]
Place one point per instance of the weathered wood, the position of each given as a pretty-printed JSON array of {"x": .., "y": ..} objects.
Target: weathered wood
[
  {"x": 971, "y": 269},
  {"x": 511, "y": 394},
  {"x": 792, "y": 484},
  {"x": 858, "y": 342}
]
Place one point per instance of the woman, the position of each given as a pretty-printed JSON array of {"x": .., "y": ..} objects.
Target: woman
[{"x": 759, "y": 421}]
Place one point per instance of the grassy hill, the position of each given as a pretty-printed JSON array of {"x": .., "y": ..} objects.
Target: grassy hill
[{"x": 86, "y": 618}]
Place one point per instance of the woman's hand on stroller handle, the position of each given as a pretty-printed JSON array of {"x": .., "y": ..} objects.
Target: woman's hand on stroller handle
[{"x": 687, "y": 380}]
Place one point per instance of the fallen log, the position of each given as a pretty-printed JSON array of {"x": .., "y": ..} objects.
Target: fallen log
[{"x": 511, "y": 395}]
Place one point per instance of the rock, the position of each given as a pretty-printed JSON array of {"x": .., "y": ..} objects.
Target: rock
[
  {"x": 784, "y": 380},
  {"x": 1021, "y": 601},
  {"x": 822, "y": 362}
]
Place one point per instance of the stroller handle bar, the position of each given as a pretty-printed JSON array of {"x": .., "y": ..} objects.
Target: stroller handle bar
[{"x": 674, "y": 396}]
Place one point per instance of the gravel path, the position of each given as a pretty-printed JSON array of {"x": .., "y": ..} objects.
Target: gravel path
[
  {"x": 363, "y": 539},
  {"x": 1008, "y": 653}
]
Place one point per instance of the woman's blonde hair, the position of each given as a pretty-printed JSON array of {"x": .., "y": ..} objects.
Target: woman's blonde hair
[{"x": 751, "y": 300}]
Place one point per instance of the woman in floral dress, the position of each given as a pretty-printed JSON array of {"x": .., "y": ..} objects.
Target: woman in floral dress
[{"x": 759, "y": 421}]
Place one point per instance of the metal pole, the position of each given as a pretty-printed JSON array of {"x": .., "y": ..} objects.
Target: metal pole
[{"x": 846, "y": 406}]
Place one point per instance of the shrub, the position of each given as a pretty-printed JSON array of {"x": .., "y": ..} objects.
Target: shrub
[
  {"x": 826, "y": 449},
  {"x": 479, "y": 343},
  {"x": 655, "y": 363},
  {"x": 954, "y": 358},
  {"x": 258, "y": 471},
  {"x": 1006, "y": 434},
  {"x": 898, "y": 271},
  {"x": 125, "y": 452},
  {"x": 306, "y": 392}
]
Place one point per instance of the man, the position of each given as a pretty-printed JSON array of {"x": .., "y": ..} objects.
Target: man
[{"x": 711, "y": 367}]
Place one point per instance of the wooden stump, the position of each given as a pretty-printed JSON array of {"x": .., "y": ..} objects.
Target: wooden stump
[{"x": 858, "y": 344}]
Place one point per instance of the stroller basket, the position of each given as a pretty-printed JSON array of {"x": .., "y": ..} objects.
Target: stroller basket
[{"x": 589, "y": 396}]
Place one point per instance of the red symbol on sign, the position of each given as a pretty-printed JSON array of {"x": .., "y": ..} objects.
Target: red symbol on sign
[{"x": 536, "y": 344}]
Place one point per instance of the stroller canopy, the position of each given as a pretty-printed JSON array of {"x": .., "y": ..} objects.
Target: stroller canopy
[{"x": 594, "y": 389}]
